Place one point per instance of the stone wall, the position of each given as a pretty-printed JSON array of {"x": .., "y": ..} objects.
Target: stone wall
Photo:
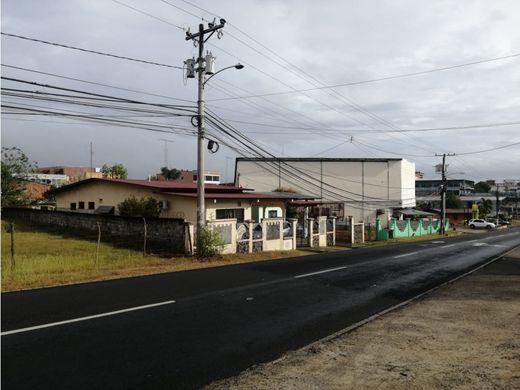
[{"x": 163, "y": 235}]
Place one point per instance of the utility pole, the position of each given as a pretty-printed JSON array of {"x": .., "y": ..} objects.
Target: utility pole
[
  {"x": 442, "y": 229},
  {"x": 91, "y": 154},
  {"x": 199, "y": 39},
  {"x": 497, "y": 207}
]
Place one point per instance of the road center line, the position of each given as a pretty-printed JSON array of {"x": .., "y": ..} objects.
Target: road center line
[
  {"x": 406, "y": 254},
  {"x": 319, "y": 272},
  {"x": 448, "y": 246},
  {"x": 111, "y": 313}
]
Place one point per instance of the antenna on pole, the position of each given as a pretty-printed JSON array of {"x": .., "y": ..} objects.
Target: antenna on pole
[{"x": 166, "y": 141}]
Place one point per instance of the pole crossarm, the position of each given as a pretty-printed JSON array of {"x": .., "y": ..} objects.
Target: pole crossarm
[{"x": 202, "y": 32}]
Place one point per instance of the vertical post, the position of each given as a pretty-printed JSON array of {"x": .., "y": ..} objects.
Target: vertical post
[
  {"x": 294, "y": 226},
  {"x": 201, "y": 70},
  {"x": 200, "y": 137},
  {"x": 98, "y": 242},
  {"x": 250, "y": 236},
  {"x": 321, "y": 180},
  {"x": 279, "y": 175},
  {"x": 352, "y": 235},
  {"x": 310, "y": 221},
  {"x": 333, "y": 231},
  {"x": 144, "y": 238},
  {"x": 13, "y": 260},
  {"x": 443, "y": 196},
  {"x": 91, "y": 156},
  {"x": 497, "y": 206}
]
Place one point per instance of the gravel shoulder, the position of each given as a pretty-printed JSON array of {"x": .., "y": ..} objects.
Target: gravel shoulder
[{"x": 465, "y": 336}]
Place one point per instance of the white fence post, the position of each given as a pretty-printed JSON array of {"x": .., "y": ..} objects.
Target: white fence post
[
  {"x": 250, "y": 237},
  {"x": 294, "y": 225},
  {"x": 311, "y": 233},
  {"x": 333, "y": 231}
]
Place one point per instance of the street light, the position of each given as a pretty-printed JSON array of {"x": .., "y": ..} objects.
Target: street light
[{"x": 237, "y": 66}]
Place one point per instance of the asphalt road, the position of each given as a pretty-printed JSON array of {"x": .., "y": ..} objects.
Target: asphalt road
[{"x": 185, "y": 329}]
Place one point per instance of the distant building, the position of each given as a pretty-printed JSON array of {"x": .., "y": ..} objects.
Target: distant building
[
  {"x": 366, "y": 187},
  {"x": 433, "y": 187},
  {"x": 190, "y": 176},
  {"x": 73, "y": 173},
  {"x": 53, "y": 180}
]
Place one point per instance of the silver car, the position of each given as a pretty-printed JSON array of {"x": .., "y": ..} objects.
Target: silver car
[{"x": 480, "y": 224}]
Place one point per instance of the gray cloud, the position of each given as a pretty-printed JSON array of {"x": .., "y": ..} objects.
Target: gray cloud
[{"x": 334, "y": 41}]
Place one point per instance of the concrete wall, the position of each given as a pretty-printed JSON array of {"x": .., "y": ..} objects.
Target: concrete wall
[
  {"x": 162, "y": 235},
  {"x": 365, "y": 185}
]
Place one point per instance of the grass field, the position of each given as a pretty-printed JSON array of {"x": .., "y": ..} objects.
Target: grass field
[{"x": 45, "y": 259}]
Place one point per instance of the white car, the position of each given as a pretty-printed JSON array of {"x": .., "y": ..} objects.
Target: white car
[{"x": 480, "y": 223}]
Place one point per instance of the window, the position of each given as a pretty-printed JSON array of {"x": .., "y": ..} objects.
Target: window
[
  {"x": 73, "y": 206},
  {"x": 209, "y": 178},
  {"x": 273, "y": 214},
  {"x": 81, "y": 205},
  {"x": 230, "y": 213},
  {"x": 91, "y": 205},
  {"x": 194, "y": 177}
]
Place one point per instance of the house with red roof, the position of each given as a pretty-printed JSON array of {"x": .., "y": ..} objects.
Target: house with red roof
[{"x": 178, "y": 199}]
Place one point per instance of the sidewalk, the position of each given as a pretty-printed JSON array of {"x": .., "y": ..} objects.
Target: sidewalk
[{"x": 464, "y": 336}]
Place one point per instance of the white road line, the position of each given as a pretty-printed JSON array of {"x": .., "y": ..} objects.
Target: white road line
[
  {"x": 448, "y": 246},
  {"x": 319, "y": 272},
  {"x": 111, "y": 313},
  {"x": 472, "y": 241},
  {"x": 406, "y": 254}
]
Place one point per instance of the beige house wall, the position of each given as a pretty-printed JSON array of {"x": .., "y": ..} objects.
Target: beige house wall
[{"x": 367, "y": 186}]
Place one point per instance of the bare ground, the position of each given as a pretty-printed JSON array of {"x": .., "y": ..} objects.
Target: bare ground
[{"x": 463, "y": 336}]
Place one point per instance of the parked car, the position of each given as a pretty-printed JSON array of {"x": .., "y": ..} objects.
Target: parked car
[{"x": 480, "y": 224}]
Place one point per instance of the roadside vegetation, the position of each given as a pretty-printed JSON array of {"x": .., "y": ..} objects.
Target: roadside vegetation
[{"x": 45, "y": 259}]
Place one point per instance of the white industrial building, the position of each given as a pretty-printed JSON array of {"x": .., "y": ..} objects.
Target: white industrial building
[{"x": 368, "y": 187}]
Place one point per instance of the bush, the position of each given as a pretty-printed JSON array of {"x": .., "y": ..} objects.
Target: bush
[
  {"x": 210, "y": 242},
  {"x": 144, "y": 207}
]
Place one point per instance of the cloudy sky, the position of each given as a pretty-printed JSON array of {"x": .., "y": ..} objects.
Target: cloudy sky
[{"x": 292, "y": 51}]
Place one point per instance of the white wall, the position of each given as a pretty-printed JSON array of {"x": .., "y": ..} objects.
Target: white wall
[{"x": 364, "y": 185}]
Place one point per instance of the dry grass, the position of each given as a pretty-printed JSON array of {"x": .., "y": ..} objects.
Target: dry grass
[{"x": 45, "y": 259}]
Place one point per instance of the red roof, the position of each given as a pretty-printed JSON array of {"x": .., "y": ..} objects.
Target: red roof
[
  {"x": 161, "y": 185},
  {"x": 223, "y": 195}
]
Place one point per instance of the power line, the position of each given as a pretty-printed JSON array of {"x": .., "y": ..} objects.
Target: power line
[
  {"x": 488, "y": 150},
  {"x": 147, "y": 14},
  {"x": 95, "y": 83},
  {"x": 364, "y": 131},
  {"x": 92, "y": 51},
  {"x": 377, "y": 79}
]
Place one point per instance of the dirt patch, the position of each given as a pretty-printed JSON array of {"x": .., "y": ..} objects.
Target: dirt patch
[{"x": 464, "y": 336}]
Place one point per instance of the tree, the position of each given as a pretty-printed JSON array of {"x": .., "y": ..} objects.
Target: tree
[
  {"x": 485, "y": 206},
  {"x": 116, "y": 171},
  {"x": 482, "y": 187},
  {"x": 15, "y": 168},
  {"x": 170, "y": 174},
  {"x": 144, "y": 207},
  {"x": 453, "y": 201}
]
